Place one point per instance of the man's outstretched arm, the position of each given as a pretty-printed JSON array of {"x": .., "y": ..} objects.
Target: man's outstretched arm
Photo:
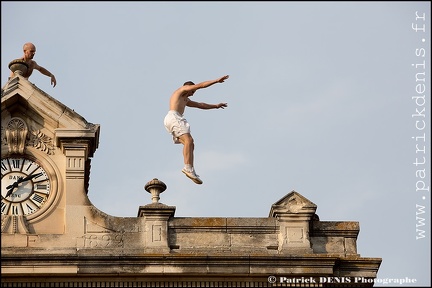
[
  {"x": 45, "y": 72},
  {"x": 205, "y": 84},
  {"x": 205, "y": 106}
]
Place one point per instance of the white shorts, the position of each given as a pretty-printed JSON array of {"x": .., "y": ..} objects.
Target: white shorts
[{"x": 176, "y": 124}]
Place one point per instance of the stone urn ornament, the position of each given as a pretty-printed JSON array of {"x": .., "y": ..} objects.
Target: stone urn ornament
[{"x": 18, "y": 66}]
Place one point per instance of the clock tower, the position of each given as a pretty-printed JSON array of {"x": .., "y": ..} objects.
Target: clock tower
[{"x": 45, "y": 161}]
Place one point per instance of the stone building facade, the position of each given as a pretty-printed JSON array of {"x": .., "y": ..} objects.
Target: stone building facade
[{"x": 52, "y": 236}]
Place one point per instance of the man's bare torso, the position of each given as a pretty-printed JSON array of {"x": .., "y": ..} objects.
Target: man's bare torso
[{"x": 178, "y": 101}]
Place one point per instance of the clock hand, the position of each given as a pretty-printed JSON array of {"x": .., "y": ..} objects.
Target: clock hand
[
  {"x": 20, "y": 180},
  {"x": 14, "y": 185},
  {"x": 29, "y": 177}
]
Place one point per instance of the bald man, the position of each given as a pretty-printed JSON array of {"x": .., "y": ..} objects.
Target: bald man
[{"x": 29, "y": 52}]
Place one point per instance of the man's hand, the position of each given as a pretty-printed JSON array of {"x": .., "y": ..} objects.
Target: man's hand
[
  {"x": 221, "y": 105},
  {"x": 223, "y": 78},
  {"x": 53, "y": 80}
]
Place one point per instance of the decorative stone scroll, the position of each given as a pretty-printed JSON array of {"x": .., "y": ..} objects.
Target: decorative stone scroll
[
  {"x": 16, "y": 136},
  {"x": 41, "y": 141}
]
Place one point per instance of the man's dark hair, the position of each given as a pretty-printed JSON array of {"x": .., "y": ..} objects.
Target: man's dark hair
[{"x": 188, "y": 83}]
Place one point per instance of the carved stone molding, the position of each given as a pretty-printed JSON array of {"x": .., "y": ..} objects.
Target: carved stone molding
[
  {"x": 41, "y": 141},
  {"x": 16, "y": 136}
]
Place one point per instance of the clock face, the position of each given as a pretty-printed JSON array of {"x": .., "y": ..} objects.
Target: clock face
[{"x": 25, "y": 186}]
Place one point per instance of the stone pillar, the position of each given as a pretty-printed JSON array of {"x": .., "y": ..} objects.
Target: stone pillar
[
  {"x": 156, "y": 216},
  {"x": 76, "y": 156},
  {"x": 74, "y": 191},
  {"x": 77, "y": 145},
  {"x": 294, "y": 213}
]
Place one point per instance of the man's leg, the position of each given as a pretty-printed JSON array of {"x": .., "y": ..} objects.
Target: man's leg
[{"x": 188, "y": 148}]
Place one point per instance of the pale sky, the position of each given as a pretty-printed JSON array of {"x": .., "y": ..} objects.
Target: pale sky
[{"x": 321, "y": 100}]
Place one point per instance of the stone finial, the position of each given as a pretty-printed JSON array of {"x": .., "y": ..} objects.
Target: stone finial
[
  {"x": 155, "y": 187},
  {"x": 18, "y": 66}
]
